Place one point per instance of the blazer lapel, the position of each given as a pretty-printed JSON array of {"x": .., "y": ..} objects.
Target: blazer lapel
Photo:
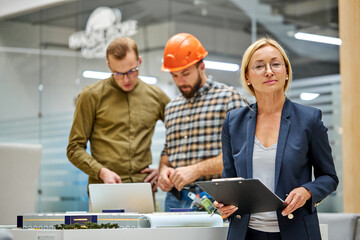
[
  {"x": 283, "y": 133},
  {"x": 250, "y": 137}
]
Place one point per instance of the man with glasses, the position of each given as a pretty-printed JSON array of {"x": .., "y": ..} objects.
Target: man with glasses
[
  {"x": 193, "y": 122},
  {"x": 118, "y": 116}
]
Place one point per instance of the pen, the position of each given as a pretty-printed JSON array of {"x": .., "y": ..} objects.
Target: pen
[
  {"x": 290, "y": 215},
  {"x": 213, "y": 212}
]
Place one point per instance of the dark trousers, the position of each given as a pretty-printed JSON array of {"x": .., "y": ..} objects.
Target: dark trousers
[{"x": 258, "y": 235}]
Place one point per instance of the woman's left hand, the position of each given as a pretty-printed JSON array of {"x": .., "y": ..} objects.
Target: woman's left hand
[{"x": 296, "y": 199}]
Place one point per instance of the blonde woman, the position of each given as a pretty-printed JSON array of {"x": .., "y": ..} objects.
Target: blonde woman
[{"x": 279, "y": 142}]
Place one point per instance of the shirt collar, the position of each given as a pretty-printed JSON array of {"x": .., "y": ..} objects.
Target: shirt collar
[{"x": 114, "y": 84}]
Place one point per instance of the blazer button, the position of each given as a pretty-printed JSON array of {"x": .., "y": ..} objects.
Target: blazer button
[{"x": 238, "y": 216}]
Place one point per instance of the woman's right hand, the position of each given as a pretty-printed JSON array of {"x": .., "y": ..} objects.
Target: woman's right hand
[{"x": 225, "y": 211}]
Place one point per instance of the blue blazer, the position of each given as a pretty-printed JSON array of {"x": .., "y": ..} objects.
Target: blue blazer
[{"x": 302, "y": 145}]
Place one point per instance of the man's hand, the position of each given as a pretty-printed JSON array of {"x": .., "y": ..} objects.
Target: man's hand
[
  {"x": 184, "y": 175},
  {"x": 109, "y": 176},
  {"x": 152, "y": 177},
  {"x": 163, "y": 182},
  {"x": 296, "y": 199}
]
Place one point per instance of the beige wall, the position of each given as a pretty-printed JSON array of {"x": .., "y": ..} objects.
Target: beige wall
[{"x": 349, "y": 19}]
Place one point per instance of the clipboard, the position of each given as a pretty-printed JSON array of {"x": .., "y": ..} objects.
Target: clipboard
[{"x": 249, "y": 195}]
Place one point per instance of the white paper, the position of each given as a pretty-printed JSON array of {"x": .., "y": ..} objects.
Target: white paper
[{"x": 180, "y": 220}]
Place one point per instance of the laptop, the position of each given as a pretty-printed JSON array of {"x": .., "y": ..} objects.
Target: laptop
[{"x": 130, "y": 197}]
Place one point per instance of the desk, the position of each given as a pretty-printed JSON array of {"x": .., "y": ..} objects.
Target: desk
[{"x": 189, "y": 233}]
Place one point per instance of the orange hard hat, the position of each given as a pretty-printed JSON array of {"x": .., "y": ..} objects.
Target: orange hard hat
[{"x": 181, "y": 51}]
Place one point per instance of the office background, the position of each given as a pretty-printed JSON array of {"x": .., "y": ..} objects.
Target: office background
[{"x": 41, "y": 76}]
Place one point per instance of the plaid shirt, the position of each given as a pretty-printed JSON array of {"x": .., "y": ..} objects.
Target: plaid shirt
[{"x": 193, "y": 126}]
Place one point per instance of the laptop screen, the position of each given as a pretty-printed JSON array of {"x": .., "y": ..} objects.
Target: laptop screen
[{"x": 131, "y": 197}]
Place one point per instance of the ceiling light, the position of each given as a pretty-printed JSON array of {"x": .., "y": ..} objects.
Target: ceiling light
[
  {"x": 223, "y": 66},
  {"x": 96, "y": 74},
  {"x": 308, "y": 96},
  {"x": 317, "y": 38},
  {"x": 232, "y": 67},
  {"x": 149, "y": 80},
  {"x": 104, "y": 75}
]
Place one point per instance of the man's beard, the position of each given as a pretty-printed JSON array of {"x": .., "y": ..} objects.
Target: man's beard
[{"x": 194, "y": 89}]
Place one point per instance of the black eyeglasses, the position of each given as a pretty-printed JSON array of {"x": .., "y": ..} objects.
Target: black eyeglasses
[{"x": 129, "y": 73}]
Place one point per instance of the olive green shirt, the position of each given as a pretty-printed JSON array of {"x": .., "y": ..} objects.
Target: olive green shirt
[{"x": 119, "y": 126}]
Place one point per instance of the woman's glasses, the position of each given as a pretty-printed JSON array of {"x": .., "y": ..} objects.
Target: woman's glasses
[{"x": 260, "y": 68}]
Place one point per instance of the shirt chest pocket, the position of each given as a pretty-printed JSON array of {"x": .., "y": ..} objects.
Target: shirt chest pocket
[{"x": 148, "y": 116}]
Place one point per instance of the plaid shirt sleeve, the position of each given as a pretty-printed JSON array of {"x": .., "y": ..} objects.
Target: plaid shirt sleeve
[{"x": 236, "y": 100}]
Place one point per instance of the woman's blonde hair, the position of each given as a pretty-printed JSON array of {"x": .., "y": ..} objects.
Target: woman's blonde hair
[{"x": 250, "y": 51}]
